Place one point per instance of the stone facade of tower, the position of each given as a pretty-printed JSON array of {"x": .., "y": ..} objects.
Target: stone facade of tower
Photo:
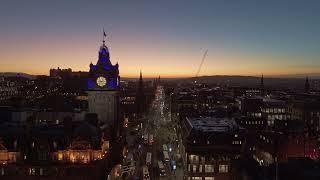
[{"x": 140, "y": 97}]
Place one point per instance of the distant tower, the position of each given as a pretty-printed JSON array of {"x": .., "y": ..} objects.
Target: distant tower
[
  {"x": 262, "y": 86},
  {"x": 307, "y": 85},
  {"x": 140, "y": 80},
  {"x": 140, "y": 96},
  {"x": 103, "y": 88}
]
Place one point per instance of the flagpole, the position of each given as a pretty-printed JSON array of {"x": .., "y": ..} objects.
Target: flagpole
[{"x": 103, "y": 36}]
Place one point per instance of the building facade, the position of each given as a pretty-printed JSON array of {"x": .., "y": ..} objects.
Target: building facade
[{"x": 210, "y": 148}]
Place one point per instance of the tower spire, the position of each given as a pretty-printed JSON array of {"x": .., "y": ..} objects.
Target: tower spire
[
  {"x": 307, "y": 85},
  {"x": 104, "y": 37},
  {"x": 262, "y": 85},
  {"x": 140, "y": 75},
  {"x": 140, "y": 81},
  {"x": 140, "y": 97}
]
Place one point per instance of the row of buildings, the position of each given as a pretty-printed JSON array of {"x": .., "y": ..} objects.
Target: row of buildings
[
  {"x": 227, "y": 131},
  {"x": 69, "y": 125}
]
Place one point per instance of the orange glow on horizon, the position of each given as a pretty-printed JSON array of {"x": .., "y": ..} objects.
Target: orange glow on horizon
[{"x": 154, "y": 60}]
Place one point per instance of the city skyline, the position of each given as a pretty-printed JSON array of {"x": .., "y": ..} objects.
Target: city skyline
[
  {"x": 162, "y": 38},
  {"x": 159, "y": 90}
]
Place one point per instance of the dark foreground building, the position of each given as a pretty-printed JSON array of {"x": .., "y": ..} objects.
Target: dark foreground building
[
  {"x": 69, "y": 150},
  {"x": 210, "y": 148}
]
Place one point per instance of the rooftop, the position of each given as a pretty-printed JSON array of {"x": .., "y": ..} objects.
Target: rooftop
[{"x": 212, "y": 124}]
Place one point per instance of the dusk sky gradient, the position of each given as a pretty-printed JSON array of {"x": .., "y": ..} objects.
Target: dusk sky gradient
[{"x": 166, "y": 37}]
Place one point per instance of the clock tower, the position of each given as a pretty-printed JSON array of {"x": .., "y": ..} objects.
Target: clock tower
[{"x": 103, "y": 87}]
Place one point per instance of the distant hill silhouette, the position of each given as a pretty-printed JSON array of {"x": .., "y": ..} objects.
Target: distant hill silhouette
[
  {"x": 310, "y": 75},
  {"x": 251, "y": 81},
  {"x": 12, "y": 74}
]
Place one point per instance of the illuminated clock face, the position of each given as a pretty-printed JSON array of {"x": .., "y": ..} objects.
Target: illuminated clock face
[{"x": 101, "y": 81}]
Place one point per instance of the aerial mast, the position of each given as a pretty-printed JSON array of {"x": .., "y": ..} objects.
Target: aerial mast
[{"x": 202, "y": 60}]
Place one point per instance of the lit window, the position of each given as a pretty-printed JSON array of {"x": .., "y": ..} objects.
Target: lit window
[
  {"x": 223, "y": 168},
  {"x": 208, "y": 168},
  {"x": 269, "y": 122},
  {"x": 208, "y": 178},
  {"x": 203, "y": 160},
  {"x": 60, "y": 156},
  {"x": 32, "y": 171},
  {"x": 194, "y": 168},
  {"x": 196, "y": 178},
  {"x": 191, "y": 157}
]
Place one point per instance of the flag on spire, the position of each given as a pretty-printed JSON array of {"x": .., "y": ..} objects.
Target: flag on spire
[{"x": 104, "y": 36}]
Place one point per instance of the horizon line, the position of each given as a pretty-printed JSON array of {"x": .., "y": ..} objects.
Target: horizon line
[{"x": 167, "y": 76}]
